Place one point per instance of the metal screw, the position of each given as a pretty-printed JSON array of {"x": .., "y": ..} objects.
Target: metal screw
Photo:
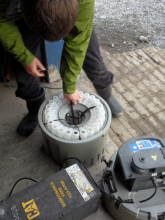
[
  {"x": 103, "y": 135},
  {"x": 142, "y": 159}
]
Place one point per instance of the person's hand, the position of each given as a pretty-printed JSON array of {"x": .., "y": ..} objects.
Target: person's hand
[
  {"x": 75, "y": 97},
  {"x": 35, "y": 68}
]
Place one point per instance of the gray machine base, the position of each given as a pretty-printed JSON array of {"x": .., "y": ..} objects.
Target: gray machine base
[
  {"x": 88, "y": 150},
  {"x": 150, "y": 210}
]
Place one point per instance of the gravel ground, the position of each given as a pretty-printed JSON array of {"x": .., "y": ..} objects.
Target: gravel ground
[{"x": 120, "y": 23}]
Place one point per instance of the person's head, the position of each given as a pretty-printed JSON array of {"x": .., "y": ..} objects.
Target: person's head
[{"x": 50, "y": 19}]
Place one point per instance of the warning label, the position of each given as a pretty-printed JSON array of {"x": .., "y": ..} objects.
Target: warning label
[
  {"x": 145, "y": 145},
  {"x": 154, "y": 157},
  {"x": 74, "y": 172}
]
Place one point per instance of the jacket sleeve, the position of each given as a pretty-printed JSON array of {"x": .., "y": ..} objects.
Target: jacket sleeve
[
  {"x": 11, "y": 39},
  {"x": 75, "y": 46}
]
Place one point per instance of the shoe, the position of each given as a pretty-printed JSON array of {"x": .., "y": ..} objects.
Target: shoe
[
  {"x": 28, "y": 124},
  {"x": 30, "y": 121},
  {"x": 114, "y": 105}
]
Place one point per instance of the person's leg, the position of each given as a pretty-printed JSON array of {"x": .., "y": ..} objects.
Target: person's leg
[
  {"x": 100, "y": 76},
  {"x": 28, "y": 86}
]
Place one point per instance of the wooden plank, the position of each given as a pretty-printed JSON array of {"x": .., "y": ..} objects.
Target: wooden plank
[
  {"x": 115, "y": 138},
  {"x": 151, "y": 50},
  {"x": 129, "y": 124},
  {"x": 148, "y": 64},
  {"x": 159, "y": 75},
  {"x": 136, "y": 104},
  {"x": 139, "y": 95},
  {"x": 149, "y": 93},
  {"x": 124, "y": 61},
  {"x": 133, "y": 114},
  {"x": 161, "y": 132},
  {"x": 120, "y": 130},
  {"x": 161, "y": 117},
  {"x": 121, "y": 68},
  {"x": 152, "y": 133}
]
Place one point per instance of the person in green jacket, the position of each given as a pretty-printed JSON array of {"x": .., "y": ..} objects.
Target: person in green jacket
[{"x": 24, "y": 24}]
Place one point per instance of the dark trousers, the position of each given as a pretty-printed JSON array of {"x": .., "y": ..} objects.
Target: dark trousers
[
  {"x": 29, "y": 86},
  {"x": 95, "y": 67}
]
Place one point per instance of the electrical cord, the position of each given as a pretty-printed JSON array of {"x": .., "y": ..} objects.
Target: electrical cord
[
  {"x": 154, "y": 181},
  {"x": 25, "y": 178},
  {"x": 73, "y": 117},
  {"x": 130, "y": 201},
  {"x": 71, "y": 105},
  {"x": 69, "y": 123}
]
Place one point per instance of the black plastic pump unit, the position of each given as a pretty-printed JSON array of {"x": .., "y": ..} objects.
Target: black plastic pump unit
[
  {"x": 68, "y": 194},
  {"x": 134, "y": 179}
]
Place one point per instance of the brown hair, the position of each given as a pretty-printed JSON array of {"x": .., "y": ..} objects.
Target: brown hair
[{"x": 50, "y": 19}]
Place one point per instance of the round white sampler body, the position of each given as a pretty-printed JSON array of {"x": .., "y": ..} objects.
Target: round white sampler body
[{"x": 78, "y": 131}]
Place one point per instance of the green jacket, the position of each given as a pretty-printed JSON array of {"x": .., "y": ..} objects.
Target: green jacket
[{"x": 75, "y": 43}]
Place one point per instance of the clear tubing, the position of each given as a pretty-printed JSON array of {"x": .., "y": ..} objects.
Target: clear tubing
[
  {"x": 54, "y": 111},
  {"x": 97, "y": 101},
  {"x": 90, "y": 121},
  {"x": 86, "y": 98},
  {"x": 75, "y": 135},
  {"x": 87, "y": 95},
  {"x": 61, "y": 95},
  {"x": 48, "y": 107},
  {"x": 81, "y": 94},
  {"x": 64, "y": 102},
  {"x": 56, "y": 123},
  {"x": 55, "y": 129},
  {"x": 47, "y": 118},
  {"x": 102, "y": 111},
  {"x": 81, "y": 129},
  {"x": 50, "y": 124},
  {"x": 52, "y": 103},
  {"x": 55, "y": 107},
  {"x": 95, "y": 122},
  {"x": 102, "y": 117},
  {"x": 94, "y": 118},
  {"x": 100, "y": 122},
  {"x": 85, "y": 127},
  {"x": 94, "y": 110},
  {"x": 60, "y": 132},
  {"x": 100, "y": 106},
  {"x": 94, "y": 114},
  {"x": 93, "y": 98},
  {"x": 47, "y": 112},
  {"x": 90, "y": 132},
  {"x": 57, "y": 101},
  {"x": 62, "y": 99},
  {"x": 96, "y": 128},
  {"x": 89, "y": 103},
  {"x": 83, "y": 134},
  {"x": 67, "y": 134},
  {"x": 90, "y": 124},
  {"x": 54, "y": 116}
]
